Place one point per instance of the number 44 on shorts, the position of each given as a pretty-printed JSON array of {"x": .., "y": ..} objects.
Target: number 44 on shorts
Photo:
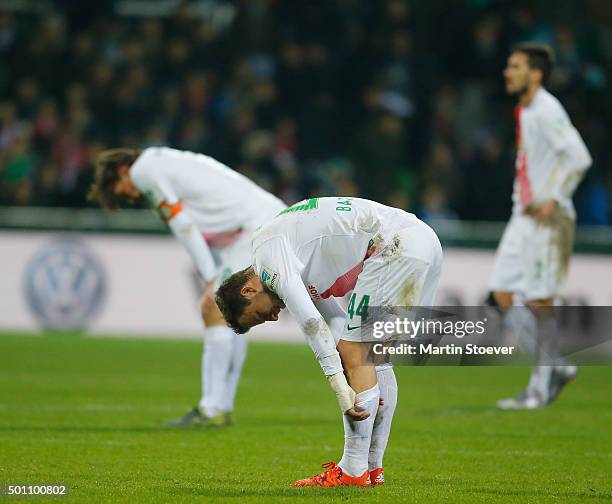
[{"x": 362, "y": 306}]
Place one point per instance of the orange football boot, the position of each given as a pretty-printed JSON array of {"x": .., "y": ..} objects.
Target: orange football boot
[
  {"x": 377, "y": 476},
  {"x": 333, "y": 476}
]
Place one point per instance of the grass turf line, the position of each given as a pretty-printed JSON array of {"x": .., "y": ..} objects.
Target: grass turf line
[{"x": 89, "y": 413}]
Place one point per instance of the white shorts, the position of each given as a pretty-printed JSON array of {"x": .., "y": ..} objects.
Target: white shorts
[
  {"x": 403, "y": 274},
  {"x": 532, "y": 259}
]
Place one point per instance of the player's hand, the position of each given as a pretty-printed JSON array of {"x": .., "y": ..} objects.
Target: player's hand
[
  {"x": 543, "y": 214},
  {"x": 356, "y": 414},
  {"x": 346, "y": 397}
]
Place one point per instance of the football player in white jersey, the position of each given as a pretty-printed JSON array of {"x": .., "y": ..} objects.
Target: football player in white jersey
[
  {"x": 533, "y": 256},
  {"x": 212, "y": 211},
  {"x": 324, "y": 248}
]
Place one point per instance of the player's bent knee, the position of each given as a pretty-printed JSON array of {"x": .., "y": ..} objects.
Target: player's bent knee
[
  {"x": 211, "y": 313},
  {"x": 538, "y": 303},
  {"x": 501, "y": 299},
  {"x": 542, "y": 308},
  {"x": 353, "y": 354},
  {"x": 208, "y": 304}
]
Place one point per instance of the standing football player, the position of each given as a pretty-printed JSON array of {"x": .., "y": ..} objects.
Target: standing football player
[
  {"x": 207, "y": 206},
  {"x": 533, "y": 256},
  {"x": 323, "y": 248}
]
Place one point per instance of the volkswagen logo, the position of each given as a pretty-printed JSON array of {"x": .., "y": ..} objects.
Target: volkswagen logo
[{"x": 64, "y": 285}]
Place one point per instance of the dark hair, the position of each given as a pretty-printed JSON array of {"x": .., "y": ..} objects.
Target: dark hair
[
  {"x": 231, "y": 302},
  {"x": 106, "y": 174},
  {"x": 540, "y": 56}
]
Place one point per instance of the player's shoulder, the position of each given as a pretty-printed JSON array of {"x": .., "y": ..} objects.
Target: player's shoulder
[
  {"x": 546, "y": 103},
  {"x": 266, "y": 235},
  {"x": 148, "y": 158},
  {"x": 145, "y": 170},
  {"x": 158, "y": 152},
  {"x": 139, "y": 167},
  {"x": 177, "y": 156}
]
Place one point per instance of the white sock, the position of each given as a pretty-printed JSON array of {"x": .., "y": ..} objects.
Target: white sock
[
  {"x": 218, "y": 343},
  {"x": 382, "y": 423},
  {"x": 539, "y": 382},
  {"x": 546, "y": 357},
  {"x": 239, "y": 350},
  {"x": 522, "y": 322},
  {"x": 358, "y": 434},
  {"x": 206, "y": 374}
]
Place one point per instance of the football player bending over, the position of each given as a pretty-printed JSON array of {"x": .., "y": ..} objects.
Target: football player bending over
[
  {"x": 212, "y": 210},
  {"x": 323, "y": 248}
]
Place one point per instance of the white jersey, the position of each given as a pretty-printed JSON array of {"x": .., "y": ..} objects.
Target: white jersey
[
  {"x": 324, "y": 241},
  {"x": 218, "y": 199},
  {"x": 205, "y": 203},
  {"x": 551, "y": 156},
  {"x": 320, "y": 248}
]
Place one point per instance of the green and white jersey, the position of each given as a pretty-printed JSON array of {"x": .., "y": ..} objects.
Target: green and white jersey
[
  {"x": 324, "y": 241},
  {"x": 316, "y": 249}
]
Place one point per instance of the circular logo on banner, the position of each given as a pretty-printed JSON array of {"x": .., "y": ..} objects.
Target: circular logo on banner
[{"x": 64, "y": 285}]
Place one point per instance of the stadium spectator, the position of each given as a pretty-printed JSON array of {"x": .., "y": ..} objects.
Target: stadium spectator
[{"x": 281, "y": 89}]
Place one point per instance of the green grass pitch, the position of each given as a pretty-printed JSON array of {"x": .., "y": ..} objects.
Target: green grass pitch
[{"x": 88, "y": 412}]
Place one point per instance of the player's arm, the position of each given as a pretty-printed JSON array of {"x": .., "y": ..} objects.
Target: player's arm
[
  {"x": 189, "y": 235},
  {"x": 321, "y": 341},
  {"x": 151, "y": 179},
  {"x": 573, "y": 158},
  {"x": 333, "y": 314},
  {"x": 280, "y": 269}
]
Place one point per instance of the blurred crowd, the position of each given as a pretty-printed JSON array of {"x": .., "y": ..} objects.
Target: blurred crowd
[{"x": 400, "y": 101}]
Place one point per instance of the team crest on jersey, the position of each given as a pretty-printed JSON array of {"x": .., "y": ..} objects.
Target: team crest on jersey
[{"x": 269, "y": 278}]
